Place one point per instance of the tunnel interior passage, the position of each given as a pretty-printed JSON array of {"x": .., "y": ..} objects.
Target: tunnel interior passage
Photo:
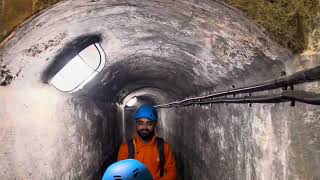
[
  {"x": 134, "y": 100},
  {"x": 157, "y": 52}
]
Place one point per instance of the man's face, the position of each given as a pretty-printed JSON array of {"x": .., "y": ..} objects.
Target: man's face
[{"x": 145, "y": 128}]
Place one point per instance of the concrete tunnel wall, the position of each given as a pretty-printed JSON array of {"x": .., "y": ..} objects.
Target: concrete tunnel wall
[{"x": 181, "y": 48}]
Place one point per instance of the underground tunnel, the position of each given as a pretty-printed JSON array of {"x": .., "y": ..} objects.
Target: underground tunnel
[{"x": 153, "y": 52}]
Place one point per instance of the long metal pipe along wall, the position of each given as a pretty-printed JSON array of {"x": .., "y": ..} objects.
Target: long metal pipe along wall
[
  {"x": 308, "y": 75},
  {"x": 301, "y": 96}
]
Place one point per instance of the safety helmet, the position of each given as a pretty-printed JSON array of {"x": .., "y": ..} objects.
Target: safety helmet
[
  {"x": 129, "y": 169},
  {"x": 146, "y": 111}
]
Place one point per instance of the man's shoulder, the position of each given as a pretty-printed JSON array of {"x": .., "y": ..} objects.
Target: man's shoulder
[{"x": 124, "y": 145}]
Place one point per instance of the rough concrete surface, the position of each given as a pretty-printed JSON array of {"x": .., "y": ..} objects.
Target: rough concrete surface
[{"x": 182, "y": 48}]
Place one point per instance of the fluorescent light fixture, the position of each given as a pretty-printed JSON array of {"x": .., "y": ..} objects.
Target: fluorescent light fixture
[
  {"x": 132, "y": 101},
  {"x": 80, "y": 69}
]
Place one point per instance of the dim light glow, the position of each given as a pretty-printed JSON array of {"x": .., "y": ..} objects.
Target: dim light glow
[
  {"x": 80, "y": 69},
  {"x": 132, "y": 101}
]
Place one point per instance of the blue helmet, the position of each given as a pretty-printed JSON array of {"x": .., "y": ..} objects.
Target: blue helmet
[
  {"x": 129, "y": 169},
  {"x": 147, "y": 111}
]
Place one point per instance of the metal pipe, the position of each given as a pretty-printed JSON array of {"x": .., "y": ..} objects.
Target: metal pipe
[
  {"x": 308, "y": 75},
  {"x": 285, "y": 96},
  {"x": 301, "y": 96}
]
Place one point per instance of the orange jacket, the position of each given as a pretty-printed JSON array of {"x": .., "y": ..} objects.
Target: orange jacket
[{"x": 148, "y": 154}]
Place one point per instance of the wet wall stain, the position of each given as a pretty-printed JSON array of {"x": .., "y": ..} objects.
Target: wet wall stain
[
  {"x": 36, "y": 49},
  {"x": 6, "y": 76}
]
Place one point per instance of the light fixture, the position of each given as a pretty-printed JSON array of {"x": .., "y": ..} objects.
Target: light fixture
[
  {"x": 80, "y": 69},
  {"x": 132, "y": 102}
]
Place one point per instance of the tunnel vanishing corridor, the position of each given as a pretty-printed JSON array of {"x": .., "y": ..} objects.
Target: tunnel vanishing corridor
[{"x": 159, "y": 52}]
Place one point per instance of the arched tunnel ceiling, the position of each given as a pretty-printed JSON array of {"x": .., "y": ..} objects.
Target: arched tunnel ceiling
[
  {"x": 148, "y": 95},
  {"x": 168, "y": 45}
]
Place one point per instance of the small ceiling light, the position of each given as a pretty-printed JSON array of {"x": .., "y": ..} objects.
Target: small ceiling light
[
  {"x": 80, "y": 69},
  {"x": 132, "y": 101}
]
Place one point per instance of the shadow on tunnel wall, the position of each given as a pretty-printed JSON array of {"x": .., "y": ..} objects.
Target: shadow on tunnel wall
[
  {"x": 111, "y": 143},
  {"x": 109, "y": 159}
]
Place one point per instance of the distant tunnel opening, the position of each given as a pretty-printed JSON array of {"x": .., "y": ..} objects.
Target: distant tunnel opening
[{"x": 157, "y": 52}]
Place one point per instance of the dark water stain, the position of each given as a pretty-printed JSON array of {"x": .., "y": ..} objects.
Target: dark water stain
[{"x": 5, "y": 76}]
